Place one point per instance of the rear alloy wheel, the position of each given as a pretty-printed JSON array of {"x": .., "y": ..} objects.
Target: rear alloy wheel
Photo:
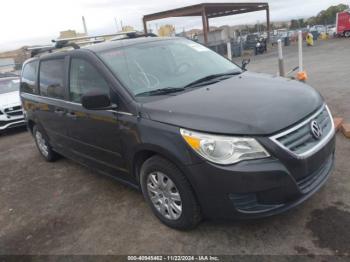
[
  {"x": 43, "y": 145},
  {"x": 169, "y": 194}
]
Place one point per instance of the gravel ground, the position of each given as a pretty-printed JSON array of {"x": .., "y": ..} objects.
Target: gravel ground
[{"x": 64, "y": 208}]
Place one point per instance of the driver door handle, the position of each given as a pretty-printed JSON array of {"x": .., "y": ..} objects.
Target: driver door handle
[
  {"x": 59, "y": 111},
  {"x": 71, "y": 115}
]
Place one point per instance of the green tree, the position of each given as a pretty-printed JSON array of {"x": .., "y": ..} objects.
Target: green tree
[
  {"x": 301, "y": 23},
  {"x": 294, "y": 24},
  {"x": 328, "y": 16},
  {"x": 259, "y": 27},
  {"x": 284, "y": 25},
  {"x": 311, "y": 21}
]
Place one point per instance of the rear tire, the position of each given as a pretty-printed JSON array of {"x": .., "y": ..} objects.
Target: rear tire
[
  {"x": 169, "y": 194},
  {"x": 43, "y": 145},
  {"x": 347, "y": 34}
]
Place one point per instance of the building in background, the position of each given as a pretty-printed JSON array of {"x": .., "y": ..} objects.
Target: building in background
[
  {"x": 7, "y": 65},
  {"x": 12, "y": 60},
  {"x": 70, "y": 34},
  {"x": 127, "y": 28}
]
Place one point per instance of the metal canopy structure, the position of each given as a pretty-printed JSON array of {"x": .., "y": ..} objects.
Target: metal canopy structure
[{"x": 211, "y": 10}]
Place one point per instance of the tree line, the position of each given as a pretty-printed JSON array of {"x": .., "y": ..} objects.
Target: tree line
[{"x": 325, "y": 17}]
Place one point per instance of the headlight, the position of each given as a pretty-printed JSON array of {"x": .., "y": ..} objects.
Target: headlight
[{"x": 223, "y": 150}]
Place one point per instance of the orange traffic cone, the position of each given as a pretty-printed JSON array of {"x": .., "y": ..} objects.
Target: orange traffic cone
[{"x": 302, "y": 76}]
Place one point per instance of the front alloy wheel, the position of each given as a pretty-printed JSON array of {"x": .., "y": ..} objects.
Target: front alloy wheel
[
  {"x": 169, "y": 194},
  {"x": 164, "y": 195}
]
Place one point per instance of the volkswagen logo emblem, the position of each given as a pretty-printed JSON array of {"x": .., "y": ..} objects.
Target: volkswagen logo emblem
[{"x": 316, "y": 130}]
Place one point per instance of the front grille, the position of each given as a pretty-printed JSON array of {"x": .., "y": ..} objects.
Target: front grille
[
  {"x": 299, "y": 140},
  {"x": 13, "y": 111}
]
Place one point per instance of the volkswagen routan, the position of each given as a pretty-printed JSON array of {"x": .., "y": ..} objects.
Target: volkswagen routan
[{"x": 199, "y": 136}]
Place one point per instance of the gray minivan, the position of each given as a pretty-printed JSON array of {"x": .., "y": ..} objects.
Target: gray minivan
[{"x": 197, "y": 134}]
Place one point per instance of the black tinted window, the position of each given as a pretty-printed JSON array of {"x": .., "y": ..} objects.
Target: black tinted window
[
  {"x": 51, "y": 78},
  {"x": 84, "y": 78},
  {"x": 29, "y": 74}
]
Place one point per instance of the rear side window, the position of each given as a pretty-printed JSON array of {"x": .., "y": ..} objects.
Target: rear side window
[
  {"x": 85, "y": 78},
  {"x": 29, "y": 74},
  {"x": 51, "y": 78}
]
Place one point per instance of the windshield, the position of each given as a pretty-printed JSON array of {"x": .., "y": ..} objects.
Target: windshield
[
  {"x": 9, "y": 85},
  {"x": 165, "y": 64}
]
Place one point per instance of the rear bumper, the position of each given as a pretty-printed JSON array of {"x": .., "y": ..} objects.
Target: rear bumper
[{"x": 259, "y": 188}]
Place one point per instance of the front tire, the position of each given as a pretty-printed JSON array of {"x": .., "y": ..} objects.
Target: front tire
[
  {"x": 169, "y": 194},
  {"x": 43, "y": 145}
]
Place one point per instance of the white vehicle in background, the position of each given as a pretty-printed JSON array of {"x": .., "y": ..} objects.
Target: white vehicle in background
[
  {"x": 319, "y": 28},
  {"x": 331, "y": 30},
  {"x": 11, "y": 114}
]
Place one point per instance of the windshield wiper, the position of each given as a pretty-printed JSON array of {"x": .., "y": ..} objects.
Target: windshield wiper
[
  {"x": 210, "y": 77},
  {"x": 161, "y": 91}
]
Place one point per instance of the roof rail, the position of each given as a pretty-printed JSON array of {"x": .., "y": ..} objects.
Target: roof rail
[
  {"x": 64, "y": 43},
  {"x": 34, "y": 51},
  {"x": 135, "y": 34},
  {"x": 76, "y": 42}
]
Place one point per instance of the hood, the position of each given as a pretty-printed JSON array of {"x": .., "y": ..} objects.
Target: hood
[
  {"x": 246, "y": 104},
  {"x": 9, "y": 99}
]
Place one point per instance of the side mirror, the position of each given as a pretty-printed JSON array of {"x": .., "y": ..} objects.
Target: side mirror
[
  {"x": 97, "y": 101},
  {"x": 245, "y": 62}
]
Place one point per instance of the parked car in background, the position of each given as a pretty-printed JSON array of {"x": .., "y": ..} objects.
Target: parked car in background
[
  {"x": 279, "y": 34},
  {"x": 293, "y": 35},
  {"x": 331, "y": 30},
  {"x": 250, "y": 42},
  {"x": 319, "y": 28},
  {"x": 7, "y": 74},
  {"x": 11, "y": 114},
  {"x": 199, "y": 136},
  {"x": 256, "y": 43}
]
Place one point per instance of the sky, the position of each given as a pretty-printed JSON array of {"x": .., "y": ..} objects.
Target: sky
[{"x": 29, "y": 22}]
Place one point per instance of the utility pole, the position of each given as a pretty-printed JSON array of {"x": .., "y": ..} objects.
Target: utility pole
[
  {"x": 116, "y": 24},
  {"x": 280, "y": 59},
  {"x": 84, "y": 25}
]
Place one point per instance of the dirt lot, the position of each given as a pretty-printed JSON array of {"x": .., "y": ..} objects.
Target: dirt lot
[{"x": 63, "y": 208}]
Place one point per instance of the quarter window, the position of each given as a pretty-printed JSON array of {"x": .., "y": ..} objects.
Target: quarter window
[
  {"x": 29, "y": 74},
  {"x": 51, "y": 78},
  {"x": 85, "y": 78}
]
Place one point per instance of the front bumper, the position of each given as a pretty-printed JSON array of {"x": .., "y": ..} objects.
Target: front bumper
[
  {"x": 11, "y": 116},
  {"x": 259, "y": 188},
  {"x": 11, "y": 123}
]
